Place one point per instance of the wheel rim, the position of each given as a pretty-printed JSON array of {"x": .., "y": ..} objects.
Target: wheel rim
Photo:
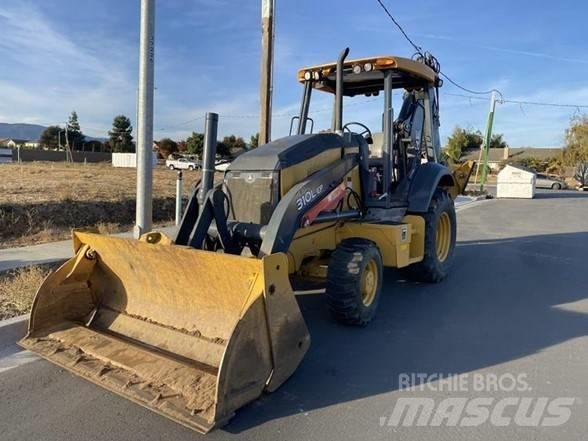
[
  {"x": 443, "y": 240},
  {"x": 369, "y": 283}
]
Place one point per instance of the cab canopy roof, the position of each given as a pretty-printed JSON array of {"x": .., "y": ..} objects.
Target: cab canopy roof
[{"x": 364, "y": 76}]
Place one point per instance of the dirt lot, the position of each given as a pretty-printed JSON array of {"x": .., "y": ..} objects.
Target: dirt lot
[{"x": 41, "y": 202}]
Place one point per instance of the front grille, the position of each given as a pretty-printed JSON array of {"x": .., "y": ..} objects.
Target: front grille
[{"x": 252, "y": 195}]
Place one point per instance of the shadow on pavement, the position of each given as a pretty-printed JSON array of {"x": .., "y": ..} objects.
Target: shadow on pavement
[
  {"x": 570, "y": 194},
  {"x": 500, "y": 304}
]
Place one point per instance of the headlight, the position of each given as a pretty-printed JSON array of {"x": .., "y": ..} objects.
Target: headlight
[
  {"x": 307, "y": 75},
  {"x": 316, "y": 75},
  {"x": 368, "y": 67},
  {"x": 357, "y": 69}
]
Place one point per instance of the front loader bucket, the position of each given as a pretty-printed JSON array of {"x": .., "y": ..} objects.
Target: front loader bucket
[
  {"x": 461, "y": 175},
  {"x": 190, "y": 334}
]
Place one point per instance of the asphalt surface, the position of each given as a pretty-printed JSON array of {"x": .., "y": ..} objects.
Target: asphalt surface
[{"x": 515, "y": 305}]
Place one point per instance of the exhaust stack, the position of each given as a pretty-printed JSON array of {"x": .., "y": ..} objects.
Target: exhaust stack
[{"x": 339, "y": 93}]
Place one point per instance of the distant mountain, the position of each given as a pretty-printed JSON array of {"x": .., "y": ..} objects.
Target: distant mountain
[{"x": 31, "y": 132}]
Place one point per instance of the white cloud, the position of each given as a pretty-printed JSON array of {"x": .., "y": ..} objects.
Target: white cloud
[{"x": 49, "y": 74}]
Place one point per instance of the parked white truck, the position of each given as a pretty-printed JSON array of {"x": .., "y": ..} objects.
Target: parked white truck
[{"x": 182, "y": 164}]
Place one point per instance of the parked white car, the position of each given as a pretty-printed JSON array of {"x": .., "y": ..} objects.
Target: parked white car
[
  {"x": 221, "y": 165},
  {"x": 181, "y": 164}
]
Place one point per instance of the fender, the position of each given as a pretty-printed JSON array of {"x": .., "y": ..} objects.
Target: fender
[{"x": 424, "y": 182}]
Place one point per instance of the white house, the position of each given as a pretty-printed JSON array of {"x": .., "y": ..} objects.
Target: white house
[{"x": 13, "y": 142}]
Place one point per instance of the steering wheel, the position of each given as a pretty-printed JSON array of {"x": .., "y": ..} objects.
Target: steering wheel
[{"x": 365, "y": 131}]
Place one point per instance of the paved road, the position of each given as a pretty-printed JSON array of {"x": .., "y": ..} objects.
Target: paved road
[{"x": 516, "y": 305}]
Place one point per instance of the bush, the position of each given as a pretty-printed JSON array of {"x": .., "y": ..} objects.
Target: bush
[{"x": 582, "y": 174}]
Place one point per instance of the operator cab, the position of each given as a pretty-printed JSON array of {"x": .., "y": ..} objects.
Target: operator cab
[{"x": 400, "y": 145}]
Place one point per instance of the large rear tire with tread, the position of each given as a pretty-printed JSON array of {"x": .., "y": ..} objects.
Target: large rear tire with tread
[
  {"x": 354, "y": 281},
  {"x": 440, "y": 236}
]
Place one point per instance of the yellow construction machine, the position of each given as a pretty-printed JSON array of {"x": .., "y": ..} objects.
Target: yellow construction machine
[{"x": 196, "y": 326}]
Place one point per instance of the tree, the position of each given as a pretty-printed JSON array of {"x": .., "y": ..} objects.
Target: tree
[
  {"x": 182, "y": 146},
  {"x": 582, "y": 174},
  {"x": 121, "y": 140},
  {"x": 195, "y": 144},
  {"x": 229, "y": 144},
  {"x": 254, "y": 142},
  {"x": 461, "y": 140},
  {"x": 234, "y": 142},
  {"x": 223, "y": 149},
  {"x": 74, "y": 133},
  {"x": 455, "y": 145},
  {"x": 474, "y": 140},
  {"x": 93, "y": 146},
  {"x": 576, "y": 149},
  {"x": 467, "y": 139},
  {"x": 50, "y": 137},
  {"x": 167, "y": 146},
  {"x": 497, "y": 141}
]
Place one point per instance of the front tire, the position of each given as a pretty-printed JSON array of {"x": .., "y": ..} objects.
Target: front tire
[
  {"x": 354, "y": 281},
  {"x": 440, "y": 237},
  {"x": 191, "y": 168},
  {"x": 171, "y": 167},
  {"x": 556, "y": 186}
]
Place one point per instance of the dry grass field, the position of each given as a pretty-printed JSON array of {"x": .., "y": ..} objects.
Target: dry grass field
[
  {"x": 18, "y": 288},
  {"x": 41, "y": 202}
]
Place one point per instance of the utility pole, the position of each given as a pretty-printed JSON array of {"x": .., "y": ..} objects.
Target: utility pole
[
  {"x": 68, "y": 154},
  {"x": 268, "y": 30},
  {"x": 487, "y": 140},
  {"x": 144, "y": 210}
]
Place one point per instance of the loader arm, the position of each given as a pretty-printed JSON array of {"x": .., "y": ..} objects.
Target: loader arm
[{"x": 287, "y": 217}]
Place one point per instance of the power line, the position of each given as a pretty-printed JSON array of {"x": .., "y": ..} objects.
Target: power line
[
  {"x": 535, "y": 103},
  {"x": 526, "y": 103},
  {"x": 165, "y": 129},
  {"x": 413, "y": 44},
  {"x": 475, "y": 92},
  {"x": 425, "y": 56}
]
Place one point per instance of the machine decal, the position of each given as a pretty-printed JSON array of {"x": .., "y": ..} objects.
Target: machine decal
[
  {"x": 327, "y": 204},
  {"x": 308, "y": 197}
]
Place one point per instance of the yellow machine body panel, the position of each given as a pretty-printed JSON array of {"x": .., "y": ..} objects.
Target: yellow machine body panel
[
  {"x": 294, "y": 174},
  {"x": 191, "y": 334},
  {"x": 400, "y": 244}
]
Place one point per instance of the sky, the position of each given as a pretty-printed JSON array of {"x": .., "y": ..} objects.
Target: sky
[{"x": 64, "y": 55}]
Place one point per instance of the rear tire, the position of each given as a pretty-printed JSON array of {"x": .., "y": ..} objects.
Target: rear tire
[
  {"x": 171, "y": 167},
  {"x": 191, "y": 168},
  {"x": 354, "y": 282},
  {"x": 440, "y": 235},
  {"x": 556, "y": 186}
]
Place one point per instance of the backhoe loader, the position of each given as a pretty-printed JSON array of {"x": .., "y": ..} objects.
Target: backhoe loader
[{"x": 196, "y": 326}]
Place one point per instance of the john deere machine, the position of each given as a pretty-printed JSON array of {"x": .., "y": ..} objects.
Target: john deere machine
[{"x": 197, "y": 326}]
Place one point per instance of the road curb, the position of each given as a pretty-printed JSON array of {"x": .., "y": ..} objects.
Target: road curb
[
  {"x": 14, "y": 321},
  {"x": 473, "y": 203},
  {"x": 12, "y": 330},
  {"x": 16, "y": 326}
]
